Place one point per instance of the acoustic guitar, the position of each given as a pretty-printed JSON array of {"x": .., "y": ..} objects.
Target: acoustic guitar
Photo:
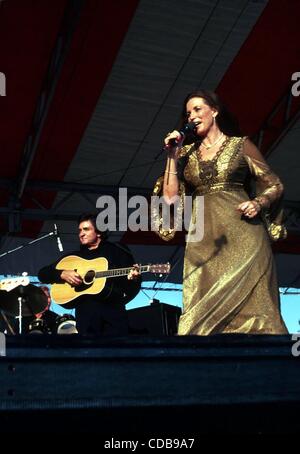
[{"x": 93, "y": 274}]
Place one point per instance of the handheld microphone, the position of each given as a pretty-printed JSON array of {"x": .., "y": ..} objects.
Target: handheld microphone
[
  {"x": 185, "y": 130},
  {"x": 59, "y": 243}
]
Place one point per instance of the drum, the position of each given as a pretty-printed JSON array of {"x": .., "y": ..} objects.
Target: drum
[
  {"x": 66, "y": 324},
  {"x": 38, "y": 326}
]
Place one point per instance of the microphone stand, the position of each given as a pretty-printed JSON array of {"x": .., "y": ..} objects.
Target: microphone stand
[
  {"x": 28, "y": 244},
  {"x": 21, "y": 297}
]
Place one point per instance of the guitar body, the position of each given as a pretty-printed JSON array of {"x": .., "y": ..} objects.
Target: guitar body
[
  {"x": 64, "y": 293},
  {"x": 93, "y": 274}
]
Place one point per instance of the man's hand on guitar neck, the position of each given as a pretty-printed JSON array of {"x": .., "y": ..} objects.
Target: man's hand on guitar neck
[
  {"x": 71, "y": 277},
  {"x": 134, "y": 272}
]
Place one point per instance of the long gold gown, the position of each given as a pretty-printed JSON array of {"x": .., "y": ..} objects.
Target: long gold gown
[{"x": 229, "y": 280}]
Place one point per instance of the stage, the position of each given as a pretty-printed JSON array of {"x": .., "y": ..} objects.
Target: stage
[{"x": 165, "y": 385}]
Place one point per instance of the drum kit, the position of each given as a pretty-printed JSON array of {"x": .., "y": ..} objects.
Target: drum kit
[
  {"x": 27, "y": 304},
  {"x": 64, "y": 324}
]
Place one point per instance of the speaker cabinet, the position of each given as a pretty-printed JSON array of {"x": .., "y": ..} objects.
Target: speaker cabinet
[{"x": 157, "y": 319}]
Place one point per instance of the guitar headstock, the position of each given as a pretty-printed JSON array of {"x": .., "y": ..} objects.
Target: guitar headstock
[
  {"x": 160, "y": 268},
  {"x": 11, "y": 283}
]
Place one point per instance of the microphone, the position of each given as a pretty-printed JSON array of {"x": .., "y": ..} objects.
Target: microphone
[
  {"x": 59, "y": 243},
  {"x": 188, "y": 128}
]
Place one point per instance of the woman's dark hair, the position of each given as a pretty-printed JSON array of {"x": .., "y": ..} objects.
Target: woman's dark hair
[
  {"x": 226, "y": 121},
  {"x": 92, "y": 217}
]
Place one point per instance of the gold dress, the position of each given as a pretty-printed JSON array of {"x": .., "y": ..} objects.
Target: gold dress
[{"x": 229, "y": 280}]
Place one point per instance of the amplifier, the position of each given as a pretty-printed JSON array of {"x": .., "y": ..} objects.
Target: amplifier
[{"x": 157, "y": 319}]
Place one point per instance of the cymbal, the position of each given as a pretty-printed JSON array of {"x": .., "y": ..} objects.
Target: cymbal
[{"x": 34, "y": 300}]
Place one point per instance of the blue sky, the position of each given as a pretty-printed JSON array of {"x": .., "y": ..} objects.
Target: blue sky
[{"x": 290, "y": 308}]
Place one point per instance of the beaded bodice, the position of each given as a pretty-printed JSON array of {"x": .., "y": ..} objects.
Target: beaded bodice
[{"x": 227, "y": 169}]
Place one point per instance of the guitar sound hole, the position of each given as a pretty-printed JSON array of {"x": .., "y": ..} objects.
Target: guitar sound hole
[{"x": 89, "y": 277}]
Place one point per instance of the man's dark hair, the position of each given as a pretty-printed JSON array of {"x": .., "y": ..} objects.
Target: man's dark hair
[{"x": 92, "y": 217}]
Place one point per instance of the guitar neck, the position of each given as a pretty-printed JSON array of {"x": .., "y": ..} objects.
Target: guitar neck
[{"x": 117, "y": 272}]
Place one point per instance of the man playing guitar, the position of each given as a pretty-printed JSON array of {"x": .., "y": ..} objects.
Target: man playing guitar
[{"x": 104, "y": 312}]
